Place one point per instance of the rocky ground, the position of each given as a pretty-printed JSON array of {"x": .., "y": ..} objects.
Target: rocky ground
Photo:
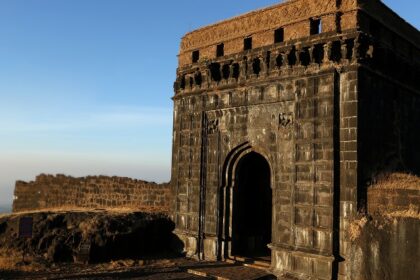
[
  {"x": 163, "y": 269},
  {"x": 104, "y": 245},
  {"x": 95, "y": 236}
]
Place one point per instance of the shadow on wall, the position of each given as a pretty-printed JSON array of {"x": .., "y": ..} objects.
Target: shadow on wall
[{"x": 389, "y": 135}]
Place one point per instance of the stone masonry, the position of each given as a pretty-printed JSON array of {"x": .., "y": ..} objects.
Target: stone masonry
[
  {"x": 294, "y": 108},
  {"x": 93, "y": 192}
]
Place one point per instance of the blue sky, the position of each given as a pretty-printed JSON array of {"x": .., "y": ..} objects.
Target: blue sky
[{"x": 85, "y": 85}]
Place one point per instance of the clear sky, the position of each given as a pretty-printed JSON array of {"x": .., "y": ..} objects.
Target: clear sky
[{"x": 85, "y": 85}]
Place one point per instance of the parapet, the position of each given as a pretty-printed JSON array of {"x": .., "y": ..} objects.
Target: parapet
[{"x": 289, "y": 21}]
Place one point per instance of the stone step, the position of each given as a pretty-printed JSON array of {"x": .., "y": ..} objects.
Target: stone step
[{"x": 260, "y": 263}]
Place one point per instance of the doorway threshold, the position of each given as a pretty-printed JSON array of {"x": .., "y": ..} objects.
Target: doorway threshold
[{"x": 262, "y": 262}]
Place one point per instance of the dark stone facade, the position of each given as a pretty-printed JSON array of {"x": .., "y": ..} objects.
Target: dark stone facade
[{"x": 328, "y": 104}]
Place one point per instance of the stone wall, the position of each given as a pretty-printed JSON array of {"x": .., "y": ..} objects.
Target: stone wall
[
  {"x": 387, "y": 249},
  {"x": 386, "y": 244},
  {"x": 60, "y": 191},
  {"x": 392, "y": 200},
  {"x": 293, "y": 16},
  {"x": 394, "y": 192}
]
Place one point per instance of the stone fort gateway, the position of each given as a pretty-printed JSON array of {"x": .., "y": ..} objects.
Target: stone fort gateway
[{"x": 282, "y": 117}]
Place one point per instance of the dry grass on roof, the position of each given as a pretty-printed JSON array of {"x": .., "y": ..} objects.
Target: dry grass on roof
[{"x": 397, "y": 181}]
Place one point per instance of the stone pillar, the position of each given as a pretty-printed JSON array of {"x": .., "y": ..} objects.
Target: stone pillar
[
  {"x": 298, "y": 51},
  {"x": 263, "y": 64},
  {"x": 343, "y": 52},
  {"x": 311, "y": 50},
  {"x": 285, "y": 58},
  {"x": 273, "y": 60},
  {"x": 231, "y": 70},
  {"x": 348, "y": 181},
  {"x": 250, "y": 69},
  {"x": 243, "y": 69},
  {"x": 356, "y": 48},
  {"x": 327, "y": 53}
]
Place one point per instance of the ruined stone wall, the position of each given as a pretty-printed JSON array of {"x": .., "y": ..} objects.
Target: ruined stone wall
[
  {"x": 394, "y": 192},
  {"x": 387, "y": 248},
  {"x": 386, "y": 244},
  {"x": 55, "y": 192}
]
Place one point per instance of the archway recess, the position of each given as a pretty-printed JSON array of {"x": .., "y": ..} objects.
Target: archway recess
[{"x": 251, "y": 207}]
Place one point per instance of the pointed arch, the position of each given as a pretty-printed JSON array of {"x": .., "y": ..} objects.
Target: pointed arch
[{"x": 226, "y": 194}]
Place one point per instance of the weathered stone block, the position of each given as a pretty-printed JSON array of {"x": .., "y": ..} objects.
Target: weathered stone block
[
  {"x": 322, "y": 240},
  {"x": 303, "y": 236},
  {"x": 303, "y": 216},
  {"x": 302, "y": 264}
]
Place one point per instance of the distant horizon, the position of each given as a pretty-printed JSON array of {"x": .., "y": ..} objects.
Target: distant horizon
[
  {"x": 86, "y": 86},
  {"x": 6, "y": 208}
]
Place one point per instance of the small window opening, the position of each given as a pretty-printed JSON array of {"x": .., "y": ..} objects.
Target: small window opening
[
  {"x": 336, "y": 51},
  {"x": 235, "y": 71},
  {"x": 316, "y": 26},
  {"x": 248, "y": 43},
  {"x": 198, "y": 79},
  {"x": 318, "y": 53},
  {"x": 182, "y": 84},
  {"x": 191, "y": 82},
  {"x": 220, "y": 51},
  {"x": 215, "y": 72},
  {"x": 292, "y": 57},
  {"x": 226, "y": 71},
  {"x": 279, "y": 61},
  {"x": 304, "y": 57},
  {"x": 195, "y": 56},
  {"x": 279, "y": 35},
  {"x": 256, "y": 67}
]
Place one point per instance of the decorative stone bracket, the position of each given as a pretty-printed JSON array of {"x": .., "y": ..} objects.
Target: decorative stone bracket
[{"x": 270, "y": 62}]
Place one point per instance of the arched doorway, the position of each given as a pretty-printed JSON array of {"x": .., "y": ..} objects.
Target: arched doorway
[{"x": 251, "y": 207}]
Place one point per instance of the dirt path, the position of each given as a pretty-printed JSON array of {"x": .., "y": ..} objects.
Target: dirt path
[{"x": 168, "y": 269}]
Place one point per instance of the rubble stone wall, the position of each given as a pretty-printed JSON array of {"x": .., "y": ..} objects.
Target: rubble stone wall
[
  {"x": 385, "y": 244},
  {"x": 60, "y": 191}
]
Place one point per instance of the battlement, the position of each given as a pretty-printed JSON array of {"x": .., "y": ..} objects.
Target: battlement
[{"x": 292, "y": 20}]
